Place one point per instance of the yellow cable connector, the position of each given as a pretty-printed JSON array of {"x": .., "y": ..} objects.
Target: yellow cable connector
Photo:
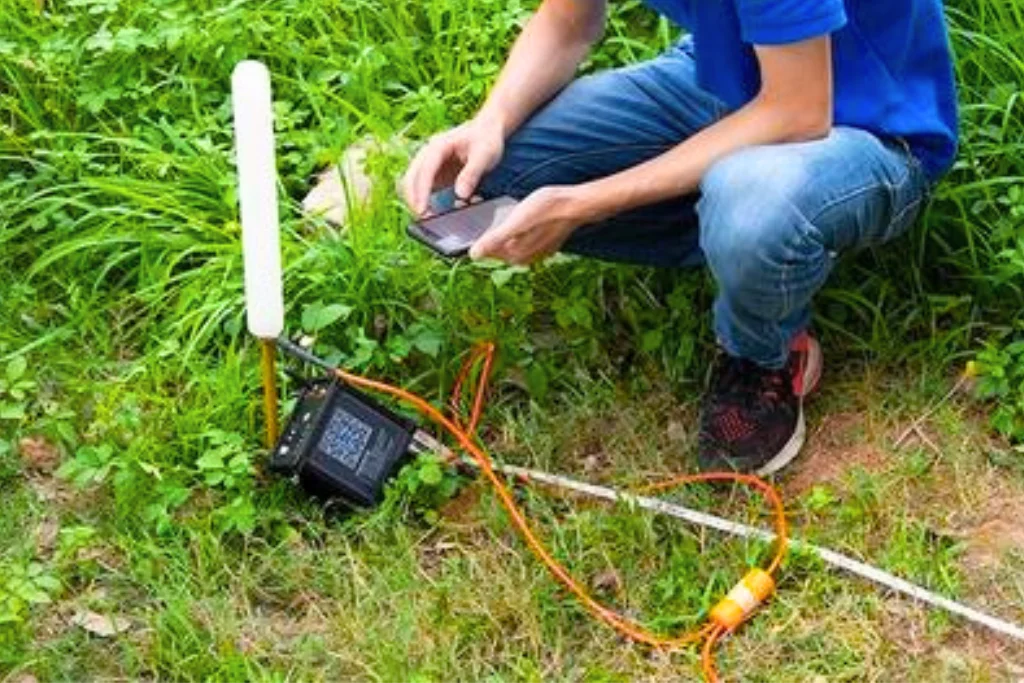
[{"x": 745, "y": 597}]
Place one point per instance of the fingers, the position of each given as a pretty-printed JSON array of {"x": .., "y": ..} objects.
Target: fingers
[
  {"x": 423, "y": 182},
  {"x": 482, "y": 249},
  {"x": 419, "y": 179},
  {"x": 529, "y": 233},
  {"x": 517, "y": 252},
  {"x": 476, "y": 165},
  {"x": 409, "y": 182},
  {"x": 492, "y": 243},
  {"x": 506, "y": 251},
  {"x": 461, "y": 203},
  {"x": 501, "y": 241}
]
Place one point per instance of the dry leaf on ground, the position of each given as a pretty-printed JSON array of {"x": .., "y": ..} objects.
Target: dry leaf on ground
[{"x": 46, "y": 535}]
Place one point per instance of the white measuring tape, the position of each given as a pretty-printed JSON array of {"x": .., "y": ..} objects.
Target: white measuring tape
[{"x": 831, "y": 557}]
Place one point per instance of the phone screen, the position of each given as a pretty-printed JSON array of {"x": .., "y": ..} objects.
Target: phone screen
[{"x": 456, "y": 231}]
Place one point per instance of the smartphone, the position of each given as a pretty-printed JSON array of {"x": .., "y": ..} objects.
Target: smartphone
[{"x": 452, "y": 233}]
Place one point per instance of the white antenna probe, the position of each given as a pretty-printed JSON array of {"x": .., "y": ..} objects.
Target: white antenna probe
[
  {"x": 261, "y": 248},
  {"x": 257, "y": 192}
]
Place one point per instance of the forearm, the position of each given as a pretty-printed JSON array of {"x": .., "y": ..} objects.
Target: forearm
[
  {"x": 543, "y": 60},
  {"x": 794, "y": 104},
  {"x": 679, "y": 171}
]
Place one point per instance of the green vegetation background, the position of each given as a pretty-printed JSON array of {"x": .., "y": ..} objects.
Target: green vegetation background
[{"x": 122, "y": 343}]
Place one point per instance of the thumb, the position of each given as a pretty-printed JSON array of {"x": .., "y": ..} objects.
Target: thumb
[
  {"x": 469, "y": 176},
  {"x": 484, "y": 246}
]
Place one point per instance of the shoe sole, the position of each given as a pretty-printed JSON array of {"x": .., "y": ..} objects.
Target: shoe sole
[
  {"x": 790, "y": 450},
  {"x": 811, "y": 378}
]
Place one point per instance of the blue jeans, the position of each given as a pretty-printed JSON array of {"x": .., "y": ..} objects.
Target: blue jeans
[{"x": 769, "y": 221}]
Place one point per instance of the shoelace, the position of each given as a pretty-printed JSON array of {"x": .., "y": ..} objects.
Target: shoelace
[{"x": 739, "y": 381}]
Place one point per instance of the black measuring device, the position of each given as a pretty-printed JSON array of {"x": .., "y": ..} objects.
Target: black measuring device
[{"x": 340, "y": 443}]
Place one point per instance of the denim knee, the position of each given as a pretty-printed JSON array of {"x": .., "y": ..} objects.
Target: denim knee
[
  {"x": 766, "y": 256},
  {"x": 752, "y": 230}
]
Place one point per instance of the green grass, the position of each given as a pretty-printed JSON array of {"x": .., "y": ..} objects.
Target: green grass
[{"x": 122, "y": 345}]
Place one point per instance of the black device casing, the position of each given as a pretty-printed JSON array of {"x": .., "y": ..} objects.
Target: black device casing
[{"x": 355, "y": 474}]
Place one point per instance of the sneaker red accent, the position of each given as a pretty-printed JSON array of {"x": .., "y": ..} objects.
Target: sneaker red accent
[
  {"x": 807, "y": 363},
  {"x": 735, "y": 426},
  {"x": 751, "y": 421}
]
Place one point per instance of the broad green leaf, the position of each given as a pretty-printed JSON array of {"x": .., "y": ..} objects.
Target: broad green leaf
[
  {"x": 431, "y": 473},
  {"x": 428, "y": 341},
  {"x": 651, "y": 340},
  {"x": 12, "y": 411},
  {"x": 211, "y": 460},
  {"x": 399, "y": 347},
  {"x": 316, "y": 317},
  {"x": 16, "y": 368},
  {"x": 48, "y": 583},
  {"x": 537, "y": 381},
  {"x": 33, "y": 595}
]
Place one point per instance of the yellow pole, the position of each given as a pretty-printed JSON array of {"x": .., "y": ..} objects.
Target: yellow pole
[{"x": 268, "y": 366}]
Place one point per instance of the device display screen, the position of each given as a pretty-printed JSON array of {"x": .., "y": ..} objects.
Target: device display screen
[
  {"x": 455, "y": 232},
  {"x": 345, "y": 438}
]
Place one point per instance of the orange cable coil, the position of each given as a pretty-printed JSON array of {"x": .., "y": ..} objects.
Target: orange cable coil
[{"x": 726, "y": 616}]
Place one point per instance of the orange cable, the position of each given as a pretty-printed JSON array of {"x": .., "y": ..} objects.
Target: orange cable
[
  {"x": 707, "y": 655},
  {"x": 465, "y": 437},
  {"x": 770, "y": 493}
]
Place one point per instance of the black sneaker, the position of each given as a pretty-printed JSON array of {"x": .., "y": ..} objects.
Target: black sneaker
[{"x": 752, "y": 418}]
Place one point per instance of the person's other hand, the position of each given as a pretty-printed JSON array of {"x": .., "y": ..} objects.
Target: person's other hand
[
  {"x": 459, "y": 157},
  {"x": 537, "y": 227}
]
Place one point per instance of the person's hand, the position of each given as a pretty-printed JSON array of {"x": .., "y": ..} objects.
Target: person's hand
[
  {"x": 459, "y": 157},
  {"x": 535, "y": 228}
]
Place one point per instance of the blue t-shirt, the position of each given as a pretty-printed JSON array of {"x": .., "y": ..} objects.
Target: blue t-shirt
[{"x": 893, "y": 71}]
